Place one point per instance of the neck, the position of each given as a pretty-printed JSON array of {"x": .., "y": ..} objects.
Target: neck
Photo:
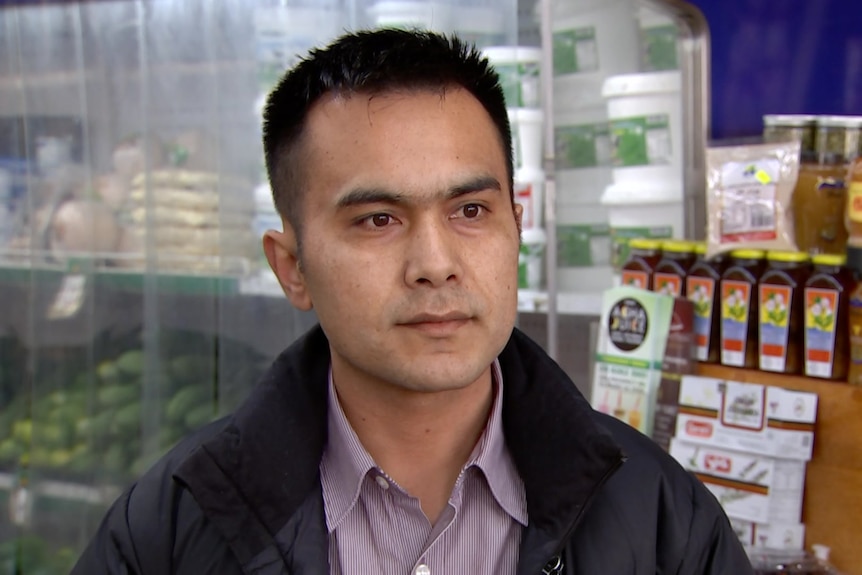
[{"x": 420, "y": 439}]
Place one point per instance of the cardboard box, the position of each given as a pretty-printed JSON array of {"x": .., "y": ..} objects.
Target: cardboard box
[
  {"x": 632, "y": 336},
  {"x": 790, "y": 536},
  {"x": 751, "y": 418},
  {"x": 750, "y": 487}
]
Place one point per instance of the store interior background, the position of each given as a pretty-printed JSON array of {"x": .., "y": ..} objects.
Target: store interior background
[{"x": 766, "y": 57}]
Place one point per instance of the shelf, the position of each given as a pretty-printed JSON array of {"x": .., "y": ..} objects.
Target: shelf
[{"x": 832, "y": 509}]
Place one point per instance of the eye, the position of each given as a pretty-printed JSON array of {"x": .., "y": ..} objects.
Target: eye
[
  {"x": 380, "y": 220},
  {"x": 472, "y": 211}
]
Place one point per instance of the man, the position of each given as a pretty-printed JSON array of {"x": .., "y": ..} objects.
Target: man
[{"x": 415, "y": 430}]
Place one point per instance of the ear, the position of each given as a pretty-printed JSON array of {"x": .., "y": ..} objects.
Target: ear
[
  {"x": 518, "y": 210},
  {"x": 282, "y": 253}
]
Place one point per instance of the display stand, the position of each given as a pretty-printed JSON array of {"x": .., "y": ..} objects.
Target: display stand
[{"x": 832, "y": 510}]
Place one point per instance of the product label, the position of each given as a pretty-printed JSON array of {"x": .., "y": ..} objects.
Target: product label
[
  {"x": 583, "y": 245},
  {"x": 748, "y": 210},
  {"x": 620, "y": 241},
  {"x": 575, "y": 51},
  {"x": 659, "y": 48},
  {"x": 667, "y": 284},
  {"x": 520, "y": 83},
  {"x": 641, "y": 141},
  {"x": 821, "y": 309},
  {"x": 775, "y": 306},
  {"x": 525, "y": 195},
  {"x": 735, "y": 304},
  {"x": 582, "y": 146},
  {"x": 635, "y": 279},
  {"x": 701, "y": 291},
  {"x": 854, "y": 202}
]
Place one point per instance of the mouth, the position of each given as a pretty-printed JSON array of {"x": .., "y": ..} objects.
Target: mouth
[{"x": 437, "y": 324}]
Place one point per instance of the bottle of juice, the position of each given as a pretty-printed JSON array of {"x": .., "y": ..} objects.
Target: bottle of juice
[
  {"x": 701, "y": 287},
  {"x": 827, "y": 337},
  {"x": 780, "y": 320},
  {"x": 638, "y": 270},
  {"x": 739, "y": 308},
  {"x": 677, "y": 258}
]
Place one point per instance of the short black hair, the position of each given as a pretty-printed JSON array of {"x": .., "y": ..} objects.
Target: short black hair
[{"x": 370, "y": 61}]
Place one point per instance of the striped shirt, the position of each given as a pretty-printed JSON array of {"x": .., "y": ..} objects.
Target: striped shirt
[{"x": 376, "y": 527}]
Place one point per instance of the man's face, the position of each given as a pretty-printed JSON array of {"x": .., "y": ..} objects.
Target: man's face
[{"x": 410, "y": 240}]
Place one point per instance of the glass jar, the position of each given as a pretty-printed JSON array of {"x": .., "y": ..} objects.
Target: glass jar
[
  {"x": 827, "y": 338},
  {"x": 701, "y": 285},
  {"x": 853, "y": 219},
  {"x": 644, "y": 255},
  {"x": 819, "y": 204},
  {"x": 789, "y": 127},
  {"x": 677, "y": 258},
  {"x": 739, "y": 309},
  {"x": 781, "y": 316},
  {"x": 838, "y": 139}
]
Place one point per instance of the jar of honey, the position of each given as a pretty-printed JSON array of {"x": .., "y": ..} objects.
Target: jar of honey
[
  {"x": 701, "y": 287},
  {"x": 819, "y": 204},
  {"x": 739, "y": 308},
  {"x": 780, "y": 321},
  {"x": 853, "y": 218},
  {"x": 827, "y": 337},
  {"x": 789, "y": 127},
  {"x": 644, "y": 255},
  {"x": 677, "y": 258}
]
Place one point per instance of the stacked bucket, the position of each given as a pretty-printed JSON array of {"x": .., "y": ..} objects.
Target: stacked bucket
[{"x": 617, "y": 133}]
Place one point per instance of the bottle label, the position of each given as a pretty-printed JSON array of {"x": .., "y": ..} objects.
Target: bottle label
[
  {"x": 821, "y": 309},
  {"x": 635, "y": 279},
  {"x": 775, "y": 307},
  {"x": 667, "y": 284},
  {"x": 854, "y": 202},
  {"x": 701, "y": 291},
  {"x": 735, "y": 304}
]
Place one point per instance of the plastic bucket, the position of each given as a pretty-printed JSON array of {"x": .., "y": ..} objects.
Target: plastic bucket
[
  {"x": 479, "y": 25},
  {"x": 590, "y": 44},
  {"x": 658, "y": 40},
  {"x": 645, "y": 117},
  {"x": 426, "y": 15},
  {"x": 527, "y": 136},
  {"x": 530, "y": 193},
  {"x": 582, "y": 155},
  {"x": 642, "y": 212},
  {"x": 518, "y": 68},
  {"x": 533, "y": 245},
  {"x": 583, "y": 248}
]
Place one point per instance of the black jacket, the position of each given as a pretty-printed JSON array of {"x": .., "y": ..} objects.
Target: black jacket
[{"x": 243, "y": 495}]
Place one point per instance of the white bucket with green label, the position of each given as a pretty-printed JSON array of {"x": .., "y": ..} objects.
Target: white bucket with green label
[
  {"x": 589, "y": 44},
  {"x": 518, "y": 67},
  {"x": 642, "y": 211},
  {"x": 658, "y": 39},
  {"x": 645, "y": 119},
  {"x": 527, "y": 136},
  {"x": 583, "y": 248},
  {"x": 530, "y": 268},
  {"x": 420, "y": 14},
  {"x": 582, "y": 155}
]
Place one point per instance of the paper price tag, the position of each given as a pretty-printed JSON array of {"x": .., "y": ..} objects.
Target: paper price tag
[{"x": 69, "y": 298}]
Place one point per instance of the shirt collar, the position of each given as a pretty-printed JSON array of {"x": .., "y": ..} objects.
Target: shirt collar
[{"x": 345, "y": 462}]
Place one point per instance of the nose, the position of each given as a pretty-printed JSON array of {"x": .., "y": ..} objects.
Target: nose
[{"x": 433, "y": 254}]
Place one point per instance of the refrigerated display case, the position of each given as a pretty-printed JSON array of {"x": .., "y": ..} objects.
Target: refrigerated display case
[{"x": 136, "y": 304}]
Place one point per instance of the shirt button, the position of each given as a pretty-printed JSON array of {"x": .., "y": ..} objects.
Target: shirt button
[
  {"x": 422, "y": 570},
  {"x": 381, "y": 481}
]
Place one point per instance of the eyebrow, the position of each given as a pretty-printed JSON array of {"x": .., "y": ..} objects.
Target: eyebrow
[{"x": 364, "y": 196}]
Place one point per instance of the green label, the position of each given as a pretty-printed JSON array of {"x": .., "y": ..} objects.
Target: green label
[
  {"x": 575, "y": 51},
  {"x": 582, "y": 146},
  {"x": 620, "y": 241},
  {"x": 659, "y": 48},
  {"x": 583, "y": 245},
  {"x": 640, "y": 141},
  {"x": 520, "y": 83}
]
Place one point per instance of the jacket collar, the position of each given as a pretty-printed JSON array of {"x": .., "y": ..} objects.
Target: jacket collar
[{"x": 252, "y": 477}]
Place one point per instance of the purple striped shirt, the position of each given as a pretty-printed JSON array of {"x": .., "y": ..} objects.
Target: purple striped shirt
[{"x": 376, "y": 527}]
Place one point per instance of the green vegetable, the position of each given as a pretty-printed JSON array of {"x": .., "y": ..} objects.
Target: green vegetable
[
  {"x": 131, "y": 362},
  {"x": 199, "y": 416},
  {"x": 187, "y": 399},
  {"x": 118, "y": 395}
]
